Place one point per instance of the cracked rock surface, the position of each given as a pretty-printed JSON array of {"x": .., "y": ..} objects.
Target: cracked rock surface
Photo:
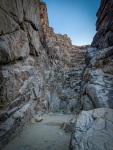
[{"x": 93, "y": 130}]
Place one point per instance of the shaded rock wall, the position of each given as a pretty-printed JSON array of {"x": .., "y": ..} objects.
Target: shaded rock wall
[
  {"x": 38, "y": 70},
  {"x": 63, "y": 92},
  {"x": 97, "y": 86},
  {"x": 93, "y": 128},
  {"x": 19, "y": 83},
  {"x": 104, "y": 25}
]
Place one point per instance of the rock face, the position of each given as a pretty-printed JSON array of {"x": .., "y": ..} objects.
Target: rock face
[
  {"x": 19, "y": 83},
  {"x": 93, "y": 130},
  {"x": 97, "y": 85},
  {"x": 41, "y": 71},
  {"x": 43, "y": 14},
  {"x": 62, "y": 91},
  {"x": 104, "y": 25},
  {"x": 38, "y": 68}
]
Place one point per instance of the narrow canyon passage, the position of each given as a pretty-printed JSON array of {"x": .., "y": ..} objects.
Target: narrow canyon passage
[{"x": 42, "y": 72}]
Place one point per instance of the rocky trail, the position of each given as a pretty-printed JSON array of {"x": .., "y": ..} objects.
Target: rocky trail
[{"x": 44, "y": 135}]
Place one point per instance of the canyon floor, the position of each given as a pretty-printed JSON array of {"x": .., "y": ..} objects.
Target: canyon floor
[{"x": 44, "y": 135}]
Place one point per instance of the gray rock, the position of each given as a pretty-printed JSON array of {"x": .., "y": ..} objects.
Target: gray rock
[
  {"x": 97, "y": 95},
  {"x": 21, "y": 11},
  {"x": 14, "y": 123},
  {"x": 13, "y": 46},
  {"x": 31, "y": 13},
  {"x": 93, "y": 130},
  {"x": 34, "y": 40},
  {"x": 103, "y": 37},
  {"x": 14, "y": 78},
  {"x": 87, "y": 103},
  {"x": 98, "y": 79},
  {"x": 7, "y": 24},
  {"x": 38, "y": 118},
  {"x": 98, "y": 76},
  {"x": 14, "y": 9},
  {"x": 70, "y": 125}
]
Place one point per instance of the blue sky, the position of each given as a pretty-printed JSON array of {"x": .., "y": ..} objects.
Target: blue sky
[{"x": 76, "y": 18}]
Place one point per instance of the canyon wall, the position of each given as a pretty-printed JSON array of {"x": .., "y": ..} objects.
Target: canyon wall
[
  {"x": 104, "y": 26},
  {"x": 97, "y": 85},
  {"x": 38, "y": 68},
  {"x": 93, "y": 128},
  {"x": 19, "y": 48},
  {"x": 43, "y": 71}
]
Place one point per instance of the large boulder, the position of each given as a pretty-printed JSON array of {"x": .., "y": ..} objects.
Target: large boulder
[{"x": 93, "y": 130}]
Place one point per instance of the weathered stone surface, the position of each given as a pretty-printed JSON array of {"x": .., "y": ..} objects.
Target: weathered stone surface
[
  {"x": 7, "y": 24},
  {"x": 98, "y": 79},
  {"x": 70, "y": 125},
  {"x": 20, "y": 85},
  {"x": 14, "y": 123},
  {"x": 13, "y": 8},
  {"x": 97, "y": 82},
  {"x": 44, "y": 14},
  {"x": 14, "y": 79},
  {"x": 67, "y": 64},
  {"x": 34, "y": 40},
  {"x": 93, "y": 130},
  {"x": 20, "y": 11},
  {"x": 32, "y": 12},
  {"x": 104, "y": 36},
  {"x": 13, "y": 46}
]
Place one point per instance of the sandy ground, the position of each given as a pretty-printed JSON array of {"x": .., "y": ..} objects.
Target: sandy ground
[{"x": 44, "y": 135}]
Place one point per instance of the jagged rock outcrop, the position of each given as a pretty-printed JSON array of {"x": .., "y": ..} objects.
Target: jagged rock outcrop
[
  {"x": 93, "y": 130},
  {"x": 97, "y": 85}
]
